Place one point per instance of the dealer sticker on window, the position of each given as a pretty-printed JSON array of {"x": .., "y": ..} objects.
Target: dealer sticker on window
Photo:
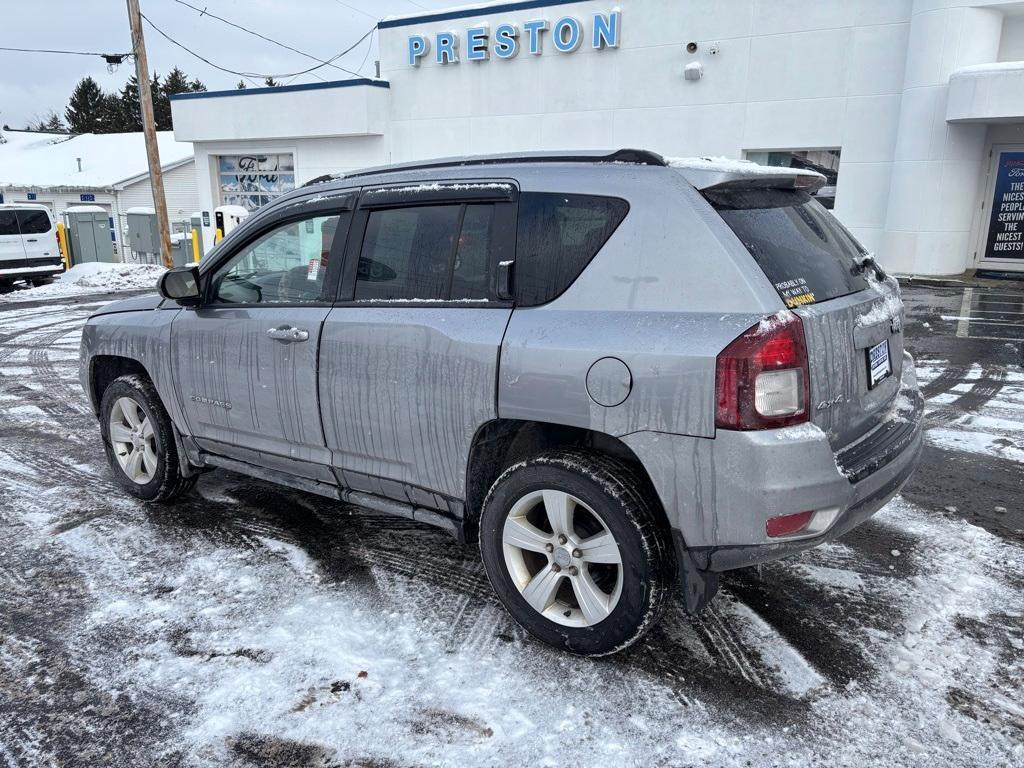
[{"x": 878, "y": 363}]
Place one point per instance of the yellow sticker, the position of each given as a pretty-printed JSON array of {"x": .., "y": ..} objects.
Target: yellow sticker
[{"x": 799, "y": 301}]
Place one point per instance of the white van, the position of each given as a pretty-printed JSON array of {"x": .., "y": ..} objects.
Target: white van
[{"x": 28, "y": 244}]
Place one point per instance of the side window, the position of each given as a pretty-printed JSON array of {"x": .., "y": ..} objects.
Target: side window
[
  {"x": 471, "y": 273},
  {"x": 8, "y": 223},
  {"x": 285, "y": 266},
  {"x": 33, "y": 222},
  {"x": 426, "y": 253},
  {"x": 557, "y": 237}
]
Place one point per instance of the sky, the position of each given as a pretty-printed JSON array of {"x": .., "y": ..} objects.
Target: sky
[{"x": 31, "y": 85}]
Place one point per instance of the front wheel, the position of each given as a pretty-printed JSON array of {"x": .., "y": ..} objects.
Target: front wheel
[
  {"x": 139, "y": 441},
  {"x": 572, "y": 545}
]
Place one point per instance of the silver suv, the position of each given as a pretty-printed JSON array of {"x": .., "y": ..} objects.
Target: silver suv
[{"x": 621, "y": 374}]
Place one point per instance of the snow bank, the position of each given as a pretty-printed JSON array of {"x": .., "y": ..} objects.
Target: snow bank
[{"x": 94, "y": 277}]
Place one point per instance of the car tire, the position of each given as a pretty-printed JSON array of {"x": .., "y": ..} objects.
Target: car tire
[
  {"x": 145, "y": 458},
  {"x": 40, "y": 281},
  {"x": 598, "y": 607}
]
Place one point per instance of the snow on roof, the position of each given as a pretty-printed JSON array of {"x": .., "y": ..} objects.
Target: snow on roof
[{"x": 41, "y": 160}]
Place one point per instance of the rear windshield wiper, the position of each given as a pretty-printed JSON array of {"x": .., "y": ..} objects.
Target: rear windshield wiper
[{"x": 868, "y": 260}]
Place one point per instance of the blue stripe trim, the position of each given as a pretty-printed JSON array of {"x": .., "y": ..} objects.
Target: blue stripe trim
[
  {"x": 282, "y": 89},
  {"x": 465, "y": 13}
]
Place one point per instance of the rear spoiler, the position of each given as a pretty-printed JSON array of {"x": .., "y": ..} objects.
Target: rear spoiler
[{"x": 706, "y": 173}]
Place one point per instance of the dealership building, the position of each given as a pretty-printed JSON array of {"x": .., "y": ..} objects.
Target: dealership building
[{"x": 913, "y": 109}]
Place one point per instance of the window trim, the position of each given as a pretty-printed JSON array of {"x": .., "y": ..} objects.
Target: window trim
[
  {"x": 505, "y": 217},
  {"x": 340, "y": 206}
]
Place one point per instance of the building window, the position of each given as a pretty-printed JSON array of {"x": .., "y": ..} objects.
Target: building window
[
  {"x": 254, "y": 180},
  {"x": 824, "y": 161}
]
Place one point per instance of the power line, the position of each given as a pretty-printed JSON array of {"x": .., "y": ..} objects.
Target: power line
[
  {"x": 255, "y": 74},
  {"x": 119, "y": 56},
  {"x": 204, "y": 12}
]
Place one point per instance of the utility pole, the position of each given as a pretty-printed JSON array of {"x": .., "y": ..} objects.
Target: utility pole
[{"x": 156, "y": 177}]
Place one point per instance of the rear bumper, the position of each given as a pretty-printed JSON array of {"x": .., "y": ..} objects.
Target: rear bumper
[
  {"x": 719, "y": 493},
  {"x": 14, "y": 273}
]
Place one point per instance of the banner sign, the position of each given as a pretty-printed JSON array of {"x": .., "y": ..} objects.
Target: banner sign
[{"x": 1006, "y": 225}]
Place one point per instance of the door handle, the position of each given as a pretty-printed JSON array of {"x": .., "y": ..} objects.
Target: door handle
[
  {"x": 287, "y": 334},
  {"x": 33, "y": 240}
]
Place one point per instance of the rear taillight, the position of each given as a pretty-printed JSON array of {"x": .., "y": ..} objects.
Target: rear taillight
[{"x": 761, "y": 377}]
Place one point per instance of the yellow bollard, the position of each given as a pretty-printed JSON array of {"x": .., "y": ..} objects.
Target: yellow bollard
[
  {"x": 218, "y": 237},
  {"x": 195, "y": 245},
  {"x": 62, "y": 245}
]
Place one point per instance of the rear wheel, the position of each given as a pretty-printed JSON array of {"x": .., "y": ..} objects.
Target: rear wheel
[
  {"x": 38, "y": 281},
  {"x": 139, "y": 441},
  {"x": 573, "y": 548}
]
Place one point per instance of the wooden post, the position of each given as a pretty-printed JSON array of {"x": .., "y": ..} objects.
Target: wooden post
[{"x": 156, "y": 177}]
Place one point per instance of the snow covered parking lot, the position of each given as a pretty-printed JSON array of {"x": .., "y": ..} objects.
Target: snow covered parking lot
[{"x": 255, "y": 625}]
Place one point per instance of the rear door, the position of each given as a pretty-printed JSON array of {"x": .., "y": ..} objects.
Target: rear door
[
  {"x": 852, "y": 318},
  {"x": 12, "y": 250},
  {"x": 246, "y": 360},
  {"x": 409, "y": 357},
  {"x": 38, "y": 236}
]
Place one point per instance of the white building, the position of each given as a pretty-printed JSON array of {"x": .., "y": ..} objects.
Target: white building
[
  {"x": 916, "y": 107},
  {"x": 108, "y": 170}
]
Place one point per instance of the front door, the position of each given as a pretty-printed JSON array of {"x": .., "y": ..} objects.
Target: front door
[
  {"x": 1001, "y": 245},
  {"x": 409, "y": 357},
  {"x": 246, "y": 360},
  {"x": 12, "y": 249}
]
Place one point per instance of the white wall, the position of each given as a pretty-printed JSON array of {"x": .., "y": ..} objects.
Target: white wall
[
  {"x": 180, "y": 190},
  {"x": 789, "y": 75}
]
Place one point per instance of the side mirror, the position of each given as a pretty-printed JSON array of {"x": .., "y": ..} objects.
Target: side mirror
[
  {"x": 181, "y": 284},
  {"x": 503, "y": 281}
]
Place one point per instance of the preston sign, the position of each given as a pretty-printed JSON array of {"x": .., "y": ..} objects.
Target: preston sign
[{"x": 565, "y": 35}]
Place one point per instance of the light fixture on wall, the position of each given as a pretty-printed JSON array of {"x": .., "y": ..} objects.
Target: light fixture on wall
[{"x": 693, "y": 71}]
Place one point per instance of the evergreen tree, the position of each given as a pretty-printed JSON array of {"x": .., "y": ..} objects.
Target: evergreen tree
[
  {"x": 241, "y": 85},
  {"x": 85, "y": 107},
  {"x": 53, "y": 123},
  {"x": 129, "y": 114},
  {"x": 175, "y": 82},
  {"x": 196, "y": 85},
  {"x": 161, "y": 104},
  {"x": 113, "y": 114},
  {"x": 271, "y": 82}
]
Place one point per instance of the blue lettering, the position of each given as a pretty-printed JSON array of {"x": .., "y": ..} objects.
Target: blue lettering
[
  {"x": 446, "y": 46},
  {"x": 606, "y": 30},
  {"x": 417, "y": 47},
  {"x": 505, "y": 43},
  {"x": 476, "y": 44},
  {"x": 533, "y": 29},
  {"x": 567, "y": 34}
]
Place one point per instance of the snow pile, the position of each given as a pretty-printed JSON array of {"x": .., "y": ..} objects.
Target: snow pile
[{"x": 94, "y": 277}]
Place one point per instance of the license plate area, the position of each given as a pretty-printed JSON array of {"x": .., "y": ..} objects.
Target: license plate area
[{"x": 878, "y": 362}]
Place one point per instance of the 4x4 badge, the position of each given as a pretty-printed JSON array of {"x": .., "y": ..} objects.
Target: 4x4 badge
[{"x": 824, "y": 405}]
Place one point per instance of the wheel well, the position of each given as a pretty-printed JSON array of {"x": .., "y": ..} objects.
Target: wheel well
[
  {"x": 501, "y": 443},
  {"x": 106, "y": 368}
]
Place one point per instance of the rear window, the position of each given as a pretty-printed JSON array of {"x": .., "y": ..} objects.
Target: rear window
[
  {"x": 802, "y": 248},
  {"x": 33, "y": 222},
  {"x": 557, "y": 236}
]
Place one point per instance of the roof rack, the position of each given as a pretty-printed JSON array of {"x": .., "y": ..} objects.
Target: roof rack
[{"x": 633, "y": 156}]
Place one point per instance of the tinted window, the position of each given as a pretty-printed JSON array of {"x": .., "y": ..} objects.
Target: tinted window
[
  {"x": 557, "y": 237},
  {"x": 33, "y": 222},
  {"x": 285, "y": 266},
  {"x": 473, "y": 262},
  {"x": 428, "y": 252},
  {"x": 8, "y": 223},
  {"x": 802, "y": 248}
]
